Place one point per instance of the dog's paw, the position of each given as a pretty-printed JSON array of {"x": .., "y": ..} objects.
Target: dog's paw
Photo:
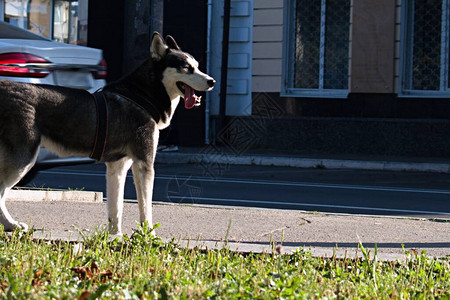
[
  {"x": 114, "y": 231},
  {"x": 15, "y": 226},
  {"x": 21, "y": 226},
  {"x": 116, "y": 234}
]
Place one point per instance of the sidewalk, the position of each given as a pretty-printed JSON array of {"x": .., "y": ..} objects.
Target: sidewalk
[
  {"x": 252, "y": 229},
  {"x": 247, "y": 229},
  {"x": 222, "y": 155}
]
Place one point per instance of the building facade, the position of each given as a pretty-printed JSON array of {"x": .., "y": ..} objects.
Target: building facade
[
  {"x": 346, "y": 76},
  {"x": 323, "y": 76}
]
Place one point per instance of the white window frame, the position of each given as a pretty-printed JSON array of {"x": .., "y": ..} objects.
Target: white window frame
[
  {"x": 287, "y": 84},
  {"x": 406, "y": 56}
]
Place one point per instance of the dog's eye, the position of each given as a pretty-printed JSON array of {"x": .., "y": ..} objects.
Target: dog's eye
[{"x": 189, "y": 69}]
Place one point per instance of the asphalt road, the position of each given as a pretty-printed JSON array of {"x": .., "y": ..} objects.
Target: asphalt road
[{"x": 344, "y": 191}]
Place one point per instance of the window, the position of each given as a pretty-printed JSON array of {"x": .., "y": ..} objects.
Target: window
[
  {"x": 33, "y": 15},
  {"x": 425, "y": 58},
  {"x": 317, "y": 48},
  {"x": 62, "y": 20},
  {"x": 68, "y": 22}
]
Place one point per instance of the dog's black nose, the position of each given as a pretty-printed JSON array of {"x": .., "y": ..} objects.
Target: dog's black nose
[{"x": 211, "y": 82}]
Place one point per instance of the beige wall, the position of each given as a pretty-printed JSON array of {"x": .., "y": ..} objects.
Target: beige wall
[
  {"x": 372, "y": 46},
  {"x": 267, "y": 45}
]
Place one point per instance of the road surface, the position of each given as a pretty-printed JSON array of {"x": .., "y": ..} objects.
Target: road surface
[{"x": 342, "y": 191}]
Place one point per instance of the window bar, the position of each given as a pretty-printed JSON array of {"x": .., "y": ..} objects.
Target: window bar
[
  {"x": 444, "y": 47},
  {"x": 291, "y": 45},
  {"x": 410, "y": 47},
  {"x": 322, "y": 44}
]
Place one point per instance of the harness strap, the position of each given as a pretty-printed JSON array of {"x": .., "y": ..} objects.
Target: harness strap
[
  {"x": 147, "y": 106},
  {"x": 102, "y": 126}
]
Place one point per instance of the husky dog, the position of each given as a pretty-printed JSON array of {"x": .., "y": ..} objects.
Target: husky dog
[{"x": 66, "y": 120}]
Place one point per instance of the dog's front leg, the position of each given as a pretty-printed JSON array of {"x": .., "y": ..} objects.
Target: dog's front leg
[
  {"x": 116, "y": 175},
  {"x": 144, "y": 174},
  {"x": 6, "y": 220}
]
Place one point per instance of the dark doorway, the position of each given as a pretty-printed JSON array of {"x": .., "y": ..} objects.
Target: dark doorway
[
  {"x": 186, "y": 21},
  {"x": 105, "y": 31}
]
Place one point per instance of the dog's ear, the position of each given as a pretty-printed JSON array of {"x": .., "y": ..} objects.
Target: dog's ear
[
  {"x": 170, "y": 41},
  {"x": 158, "y": 49}
]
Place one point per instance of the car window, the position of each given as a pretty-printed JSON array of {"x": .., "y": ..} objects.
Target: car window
[{"x": 8, "y": 31}]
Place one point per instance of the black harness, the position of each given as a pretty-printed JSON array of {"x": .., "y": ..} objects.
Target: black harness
[
  {"x": 101, "y": 133},
  {"x": 102, "y": 126}
]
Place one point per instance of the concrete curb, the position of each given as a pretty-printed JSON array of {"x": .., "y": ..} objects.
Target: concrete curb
[
  {"x": 40, "y": 195},
  {"x": 299, "y": 162},
  {"x": 77, "y": 237}
]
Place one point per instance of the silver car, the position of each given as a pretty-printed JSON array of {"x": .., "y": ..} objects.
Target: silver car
[{"x": 27, "y": 57}]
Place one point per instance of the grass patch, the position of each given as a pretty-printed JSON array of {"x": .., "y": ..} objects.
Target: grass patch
[{"x": 143, "y": 267}]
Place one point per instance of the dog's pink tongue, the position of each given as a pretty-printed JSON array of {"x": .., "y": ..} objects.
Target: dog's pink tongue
[{"x": 189, "y": 97}]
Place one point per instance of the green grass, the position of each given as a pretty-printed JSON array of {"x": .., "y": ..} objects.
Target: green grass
[{"x": 142, "y": 267}]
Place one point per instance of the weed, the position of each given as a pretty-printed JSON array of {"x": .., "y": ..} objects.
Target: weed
[{"x": 141, "y": 266}]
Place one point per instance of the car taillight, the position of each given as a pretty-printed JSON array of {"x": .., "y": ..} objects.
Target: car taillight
[
  {"x": 23, "y": 65},
  {"x": 101, "y": 73}
]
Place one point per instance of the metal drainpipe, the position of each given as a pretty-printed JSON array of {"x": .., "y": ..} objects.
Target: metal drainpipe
[
  {"x": 208, "y": 71},
  {"x": 224, "y": 67}
]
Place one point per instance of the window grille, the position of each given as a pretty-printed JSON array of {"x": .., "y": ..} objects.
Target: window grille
[
  {"x": 425, "y": 48},
  {"x": 318, "y": 47}
]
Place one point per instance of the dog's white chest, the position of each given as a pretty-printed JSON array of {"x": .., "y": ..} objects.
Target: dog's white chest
[{"x": 173, "y": 106}]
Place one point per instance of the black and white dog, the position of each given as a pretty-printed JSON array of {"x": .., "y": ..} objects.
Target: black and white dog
[{"x": 67, "y": 121}]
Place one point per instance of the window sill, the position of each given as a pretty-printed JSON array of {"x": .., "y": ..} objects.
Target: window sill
[
  {"x": 305, "y": 93},
  {"x": 424, "y": 94}
]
